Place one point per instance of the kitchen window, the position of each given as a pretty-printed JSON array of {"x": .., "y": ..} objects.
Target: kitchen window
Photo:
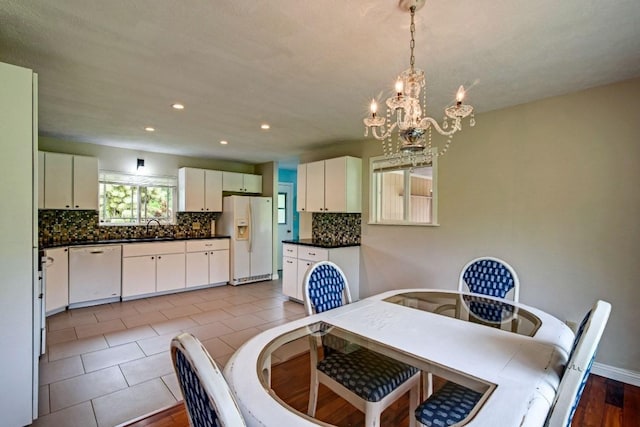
[
  {"x": 134, "y": 200},
  {"x": 402, "y": 193}
]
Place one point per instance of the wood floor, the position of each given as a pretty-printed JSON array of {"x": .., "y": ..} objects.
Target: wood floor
[{"x": 604, "y": 403}]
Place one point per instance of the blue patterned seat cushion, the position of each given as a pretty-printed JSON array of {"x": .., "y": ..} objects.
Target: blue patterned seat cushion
[
  {"x": 489, "y": 310},
  {"x": 449, "y": 405},
  {"x": 368, "y": 374},
  {"x": 201, "y": 411},
  {"x": 489, "y": 277},
  {"x": 326, "y": 286}
]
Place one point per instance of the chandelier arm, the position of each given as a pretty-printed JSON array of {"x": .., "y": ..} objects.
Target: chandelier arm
[
  {"x": 385, "y": 134},
  {"x": 436, "y": 126}
]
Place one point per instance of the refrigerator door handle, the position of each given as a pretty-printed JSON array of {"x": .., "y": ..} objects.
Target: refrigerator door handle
[{"x": 250, "y": 226}]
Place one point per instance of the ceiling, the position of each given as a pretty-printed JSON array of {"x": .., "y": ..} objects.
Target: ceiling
[{"x": 109, "y": 68}]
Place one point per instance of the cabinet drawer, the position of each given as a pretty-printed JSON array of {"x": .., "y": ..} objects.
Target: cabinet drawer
[
  {"x": 207, "y": 245},
  {"x": 312, "y": 253},
  {"x": 290, "y": 250},
  {"x": 141, "y": 249}
]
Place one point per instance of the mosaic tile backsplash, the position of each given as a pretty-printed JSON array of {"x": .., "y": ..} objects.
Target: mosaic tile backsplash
[
  {"x": 336, "y": 227},
  {"x": 67, "y": 226}
]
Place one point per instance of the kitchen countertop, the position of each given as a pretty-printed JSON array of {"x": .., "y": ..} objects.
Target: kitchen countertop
[
  {"x": 131, "y": 240},
  {"x": 320, "y": 243}
]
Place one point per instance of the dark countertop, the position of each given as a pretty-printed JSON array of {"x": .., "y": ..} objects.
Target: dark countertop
[
  {"x": 320, "y": 243},
  {"x": 132, "y": 240}
]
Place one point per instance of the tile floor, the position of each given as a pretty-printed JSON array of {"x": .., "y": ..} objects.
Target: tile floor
[{"x": 110, "y": 363}]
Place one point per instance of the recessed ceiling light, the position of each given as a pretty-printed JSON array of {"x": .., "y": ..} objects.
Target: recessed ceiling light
[
  {"x": 149, "y": 129},
  {"x": 265, "y": 126},
  {"x": 224, "y": 142},
  {"x": 178, "y": 106}
]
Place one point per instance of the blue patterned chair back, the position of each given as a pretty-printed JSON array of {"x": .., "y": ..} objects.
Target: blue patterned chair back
[
  {"x": 325, "y": 288},
  {"x": 581, "y": 358},
  {"x": 489, "y": 276},
  {"x": 206, "y": 394}
]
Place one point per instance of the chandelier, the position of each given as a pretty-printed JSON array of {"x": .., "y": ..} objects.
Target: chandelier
[{"x": 412, "y": 126}]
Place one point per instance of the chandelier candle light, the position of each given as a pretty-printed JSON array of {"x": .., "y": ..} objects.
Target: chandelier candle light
[{"x": 413, "y": 140}]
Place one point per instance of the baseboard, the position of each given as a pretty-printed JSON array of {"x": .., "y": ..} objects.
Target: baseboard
[{"x": 623, "y": 375}]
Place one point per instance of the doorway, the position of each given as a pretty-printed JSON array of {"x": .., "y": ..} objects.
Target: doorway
[{"x": 285, "y": 216}]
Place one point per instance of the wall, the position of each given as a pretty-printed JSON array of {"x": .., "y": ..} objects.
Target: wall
[
  {"x": 551, "y": 187},
  {"x": 124, "y": 160}
]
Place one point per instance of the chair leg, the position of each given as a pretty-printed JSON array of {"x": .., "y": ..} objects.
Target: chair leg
[
  {"x": 414, "y": 401},
  {"x": 372, "y": 414},
  {"x": 313, "y": 392}
]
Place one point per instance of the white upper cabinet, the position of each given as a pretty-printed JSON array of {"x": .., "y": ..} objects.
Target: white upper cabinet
[
  {"x": 199, "y": 190},
  {"x": 241, "y": 182},
  {"x": 333, "y": 185},
  {"x": 70, "y": 182}
]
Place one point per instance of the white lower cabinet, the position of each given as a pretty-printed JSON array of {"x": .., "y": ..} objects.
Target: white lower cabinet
[
  {"x": 300, "y": 257},
  {"x": 290, "y": 278},
  {"x": 56, "y": 280},
  {"x": 138, "y": 275},
  {"x": 207, "y": 262},
  {"x": 148, "y": 268}
]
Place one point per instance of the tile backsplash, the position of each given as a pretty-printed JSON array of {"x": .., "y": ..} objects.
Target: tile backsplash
[
  {"x": 67, "y": 226},
  {"x": 336, "y": 227}
]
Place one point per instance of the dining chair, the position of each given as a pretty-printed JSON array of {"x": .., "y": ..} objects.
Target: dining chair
[
  {"x": 489, "y": 276},
  {"x": 209, "y": 401},
  {"x": 368, "y": 380},
  {"x": 576, "y": 372}
]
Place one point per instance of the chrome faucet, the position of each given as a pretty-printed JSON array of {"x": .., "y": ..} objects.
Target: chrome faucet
[{"x": 149, "y": 223}]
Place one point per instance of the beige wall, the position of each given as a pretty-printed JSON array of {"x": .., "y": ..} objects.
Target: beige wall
[{"x": 551, "y": 187}]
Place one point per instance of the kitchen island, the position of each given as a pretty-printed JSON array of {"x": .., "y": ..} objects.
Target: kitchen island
[{"x": 300, "y": 254}]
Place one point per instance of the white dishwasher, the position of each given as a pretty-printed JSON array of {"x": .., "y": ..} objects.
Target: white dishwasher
[{"x": 94, "y": 275}]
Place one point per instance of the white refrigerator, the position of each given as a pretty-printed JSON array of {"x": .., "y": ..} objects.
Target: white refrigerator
[{"x": 248, "y": 220}]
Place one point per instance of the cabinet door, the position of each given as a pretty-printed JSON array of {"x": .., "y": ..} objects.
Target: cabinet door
[
  {"x": 335, "y": 185},
  {"x": 219, "y": 266},
  {"x": 213, "y": 191},
  {"x": 301, "y": 191},
  {"x": 290, "y": 277},
  {"x": 57, "y": 279},
  {"x": 58, "y": 181},
  {"x": 191, "y": 190},
  {"x": 170, "y": 272},
  {"x": 303, "y": 266},
  {"x": 85, "y": 182},
  {"x": 197, "y": 269},
  {"x": 315, "y": 187},
  {"x": 138, "y": 275},
  {"x": 252, "y": 183},
  {"x": 232, "y": 181}
]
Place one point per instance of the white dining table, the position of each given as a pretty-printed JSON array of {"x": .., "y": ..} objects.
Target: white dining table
[{"x": 522, "y": 372}]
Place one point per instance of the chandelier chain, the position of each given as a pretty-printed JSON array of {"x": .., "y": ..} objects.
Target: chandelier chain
[{"x": 412, "y": 44}]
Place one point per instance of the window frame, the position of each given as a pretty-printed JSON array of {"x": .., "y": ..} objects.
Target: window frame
[
  {"x": 375, "y": 202},
  {"x": 143, "y": 182}
]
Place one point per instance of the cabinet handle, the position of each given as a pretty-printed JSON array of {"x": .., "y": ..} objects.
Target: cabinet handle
[
  {"x": 206, "y": 253},
  {"x": 312, "y": 253},
  {"x": 159, "y": 257},
  {"x": 289, "y": 262},
  {"x": 152, "y": 257},
  {"x": 66, "y": 206},
  {"x": 77, "y": 206}
]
